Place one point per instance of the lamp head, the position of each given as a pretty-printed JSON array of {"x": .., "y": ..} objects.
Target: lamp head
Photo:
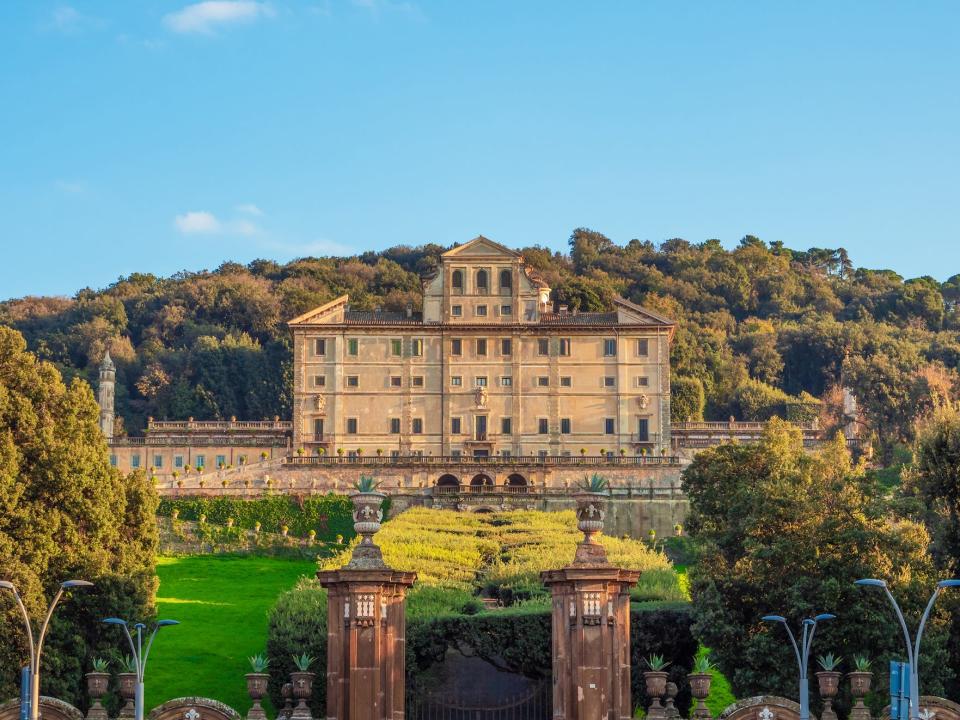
[
  {"x": 824, "y": 616},
  {"x": 167, "y": 623},
  {"x": 872, "y": 582},
  {"x": 809, "y": 621},
  {"x": 114, "y": 621},
  {"x": 774, "y": 618},
  {"x": 70, "y": 584},
  {"x": 948, "y": 583},
  {"x": 139, "y": 626}
]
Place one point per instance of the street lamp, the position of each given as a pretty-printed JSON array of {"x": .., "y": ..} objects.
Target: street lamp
[
  {"x": 36, "y": 646},
  {"x": 913, "y": 653},
  {"x": 140, "y": 654},
  {"x": 802, "y": 651}
]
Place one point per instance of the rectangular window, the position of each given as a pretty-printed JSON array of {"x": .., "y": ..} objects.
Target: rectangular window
[
  {"x": 456, "y": 310},
  {"x": 134, "y": 461},
  {"x": 643, "y": 347},
  {"x": 417, "y": 381},
  {"x": 480, "y": 381},
  {"x": 506, "y": 381},
  {"x": 416, "y": 347},
  {"x": 113, "y": 461},
  {"x": 481, "y": 346},
  {"x": 506, "y": 346},
  {"x": 456, "y": 346},
  {"x": 320, "y": 346},
  {"x": 396, "y": 347},
  {"x": 543, "y": 381},
  {"x": 543, "y": 426},
  {"x": 542, "y": 454},
  {"x": 417, "y": 426},
  {"x": 353, "y": 346},
  {"x": 565, "y": 426},
  {"x": 481, "y": 310},
  {"x": 394, "y": 454},
  {"x": 319, "y": 380},
  {"x": 353, "y": 381},
  {"x": 506, "y": 426},
  {"x": 351, "y": 426},
  {"x": 158, "y": 461},
  {"x": 642, "y": 381},
  {"x": 201, "y": 461},
  {"x": 221, "y": 461},
  {"x": 643, "y": 430},
  {"x": 609, "y": 381},
  {"x": 454, "y": 453},
  {"x": 565, "y": 346},
  {"x": 456, "y": 380},
  {"x": 395, "y": 381},
  {"x": 455, "y": 424},
  {"x": 506, "y": 310},
  {"x": 609, "y": 426},
  {"x": 610, "y": 347},
  {"x": 505, "y": 453},
  {"x": 566, "y": 381},
  {"x": 543, "y": 346},
  {"x": 394, "y": 426},
  {"x": 178, "y": 461}
]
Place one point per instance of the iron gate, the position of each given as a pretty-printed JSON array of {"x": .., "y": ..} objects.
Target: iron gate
[{"x": 534, "y": 704}]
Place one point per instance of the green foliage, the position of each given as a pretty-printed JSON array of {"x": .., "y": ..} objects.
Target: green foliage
[
  {"x": 366, "y": 484},
  {"x": 329, "y": 515},
  {"x": 65, "y": 513},
  {"x": 259, "y": 662},
  {"x": 861, "y": 663},
  {"x": 702, "y": 663},
  {"x": 784, "y": 531},
  {"x": 100, "y": 665},
  {"x": 303, "y": 661},
  {"x": 595, "y": 483},
  {"x": 687, "y": 399},
  {"x": 127, "y": 663},
  {"x": 656, "y": 663},
  {"x": 829, "y": 662}
]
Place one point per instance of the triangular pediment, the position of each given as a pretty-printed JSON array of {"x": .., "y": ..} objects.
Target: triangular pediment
[
  {"x": 633, "y": 314},
  {"x": 481, "y": 247},
  {"x": 329, "y": 312}
]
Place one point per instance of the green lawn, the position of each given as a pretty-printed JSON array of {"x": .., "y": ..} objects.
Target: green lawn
[{"x": 222, "y": 603}]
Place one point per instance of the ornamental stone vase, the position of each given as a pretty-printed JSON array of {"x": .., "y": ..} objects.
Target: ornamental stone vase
[
  {"x": 128, "y": 691},
  {"x": 859, "y": 687},
  {"x": 367, "y": 517},
  {"x": 700, "y": 689},
  {"x": 656, "y": 682},
  {"x": 257, "y": 688},
  {"x": 286, "y": 692},
  {"x": 670, "y": 709},
  {"x": 97, "y": 687},
  {"x": 829, "y": 682},
  {"x": 591, "y": 509},
  {"x": 302, "y": 690}
]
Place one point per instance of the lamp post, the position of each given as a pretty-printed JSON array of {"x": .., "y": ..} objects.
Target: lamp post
[
  {"x": 36, "y": 645},
  {"x": 140, "y": 654},
  {"x": 802, "y": 652},
  {"x": 913, "y": 652}
]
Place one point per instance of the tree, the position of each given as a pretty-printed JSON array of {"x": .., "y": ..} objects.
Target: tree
[
  {"x": 64, "y": 513},
  {"x": 686, "y": 399},
  {"x": 783, "y": 531}
]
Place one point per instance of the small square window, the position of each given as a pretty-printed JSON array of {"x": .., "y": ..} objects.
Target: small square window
[
  {"x": 505, "y": 453},
  {"x": 609, "y": 381},
  {"x": 565, "y": 426},
  {"x": 566, "y": 381},
  {"x": 158, "y": 461},
  {"x": 353, "y": 346},
  {"x": 113, "y": 461},
  {"x": 642, "y": 381},
  {"x": 396, "y": 348},
  {"x": 320, "y": 346},
  {"x": 543, "y": 381},
  {"x": 543, "y": 426},
  {"x": 565, "y": 346},
  {"x": 456, "y": 346},
  {"x": 353, "y": 381},
  {"x": 456, "y": 310},
  {"x": 178, "y": 461},
  {"x": 506, "y": 426},
  {"x": 480, "y": 381},
  {"x": 543, "y": 346},
  {"x": 395, "y": 381},
  {"x": 481, "y": 311},
  {"x": 416, "y": 347},
  {"x": 351, "y": 426},
  {"x": 394, "y": 454},
  {"x": 610, "y": 347},
  {"x": 643, "y": 347},
  {"x": 506, "y": 381},
  {"x": 454, "y": 453},
  {"x": 542, "y": 454},
  {"x": 609, "y": 426},
  {"x": 417, "y": 381},
  {"x": 506, "y": 346},
  {"x": 417, "y": 426},
  {"x": 394, "y": 426},
  {"x": 201, "y": 461},
  {"x": 455, "y": 424},
  {"x": 481, "y": 346},
  {"x": 221, "y": 461},
  {"x": 506, "y": 310},
  {"x": 135, "y": 461},
  {"x": 456, "y": 380},
  {"x": 319, "y": 380}
]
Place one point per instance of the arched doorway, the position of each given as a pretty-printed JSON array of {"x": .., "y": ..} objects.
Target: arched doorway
[
  {"x": 516, "y": 483},
  {"x": 448, "y": 483},
  {"x": 481, "y": 483}
]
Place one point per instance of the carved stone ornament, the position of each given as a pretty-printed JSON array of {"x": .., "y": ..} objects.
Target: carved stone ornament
[
  {"x": 481, "y": 396},
  {"x": 643, "y": 401},
  {"x": 320, "y": 403}
]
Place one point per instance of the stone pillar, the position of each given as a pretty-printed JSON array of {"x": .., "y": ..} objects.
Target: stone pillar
[
  {"x": 591, "y": 626},
  {"x": 366, "y": 626}
]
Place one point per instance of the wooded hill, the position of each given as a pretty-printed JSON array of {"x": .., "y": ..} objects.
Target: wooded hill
[{"x": 760, "y": 328}]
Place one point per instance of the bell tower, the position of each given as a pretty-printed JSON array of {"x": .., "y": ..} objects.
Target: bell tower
[{"x": 105, "y": 400}]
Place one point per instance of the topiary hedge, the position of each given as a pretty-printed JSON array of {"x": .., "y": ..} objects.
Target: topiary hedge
[{"x": 329, "y": 515}]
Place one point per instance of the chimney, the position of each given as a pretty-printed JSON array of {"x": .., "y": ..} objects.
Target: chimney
[
  {"x": 564, "y": 309},
  {"x": 409, "y": 310}
]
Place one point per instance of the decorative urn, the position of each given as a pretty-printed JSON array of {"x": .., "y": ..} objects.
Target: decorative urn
[
  {"x": 257, "y": 689},
  {"x": 302, "y": 683},
  {"x": 128, "y": 691},
  {"x": 859, "y": 686},
  {"x": 656, "y": 682},
  {"x": 700, "y": 689},
  {"x": 367, "y": 517},
  {"x": 829, "y": 681},
  {"x": 97, "y": 683}
]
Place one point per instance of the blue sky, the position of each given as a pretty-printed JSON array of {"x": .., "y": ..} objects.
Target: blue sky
[{"x": 162, "y": 135}]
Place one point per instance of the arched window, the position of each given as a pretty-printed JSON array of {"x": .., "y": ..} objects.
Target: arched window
[
  {"x": 448, "y": 481},
  {"x": 506, "y": 280},
  {"x": 458, "y": 280},
  {"x": 483, "y": 281}
]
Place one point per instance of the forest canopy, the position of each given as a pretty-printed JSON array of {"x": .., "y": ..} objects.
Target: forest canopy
[{"x": 761, "y": 328}]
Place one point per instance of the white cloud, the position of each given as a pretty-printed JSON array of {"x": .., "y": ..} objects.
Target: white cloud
[
  {"x": 249, "y": 209},
  {"x": 205, "y": 17},
  {"x": 242, "y": 227},
  {"x": 376, "y": 8},
  {"x": 197, "y": 222},
  {"x": 68, "y": 20}
]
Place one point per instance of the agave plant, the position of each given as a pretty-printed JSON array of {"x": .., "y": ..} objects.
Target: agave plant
[
  {"x": 303, "y": 662},
  {"x": 701, "y": 663},
  {"x": 828, "y": 662},
  {"x": 100, "y": 665},
  {"x": 861, "y": 663},
  {"x": 128, "y": 663},
  {"x": 259, "y": 662},
  {"x": 656, "y": 663},
  {"x": 366, "y": 484},
  {"x": 596, "y": 483}
]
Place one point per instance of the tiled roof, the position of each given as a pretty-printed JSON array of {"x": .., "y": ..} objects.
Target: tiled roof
[
  {"x": 381, "y": 317},
  {"x": 580, "y": 318}
]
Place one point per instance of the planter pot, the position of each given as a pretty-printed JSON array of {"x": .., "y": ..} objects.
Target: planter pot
[
  {"x": 656, "y": 684},
  {"x": 700, "y": 689},
  {"x": 591, "y": 509},
  {"x": 302, "y": 683},
  {"x": 128, "y": 691},
  {"x": 367, "y": 516},
  {"x": 286, "y": 692},
  {"x": 97, "y": 683},
  {"x": 257, "y": 688},
  {"x": 829, "y": 682},
  {"x": 859, "y": 686}
]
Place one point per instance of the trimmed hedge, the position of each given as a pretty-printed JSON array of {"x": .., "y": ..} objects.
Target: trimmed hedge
[{"x": 329, "y": 515}]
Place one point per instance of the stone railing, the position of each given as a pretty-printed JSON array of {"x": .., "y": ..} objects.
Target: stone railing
[
  {"x": 470, "y": 461},
  {"x": 231, "y": 425}
]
